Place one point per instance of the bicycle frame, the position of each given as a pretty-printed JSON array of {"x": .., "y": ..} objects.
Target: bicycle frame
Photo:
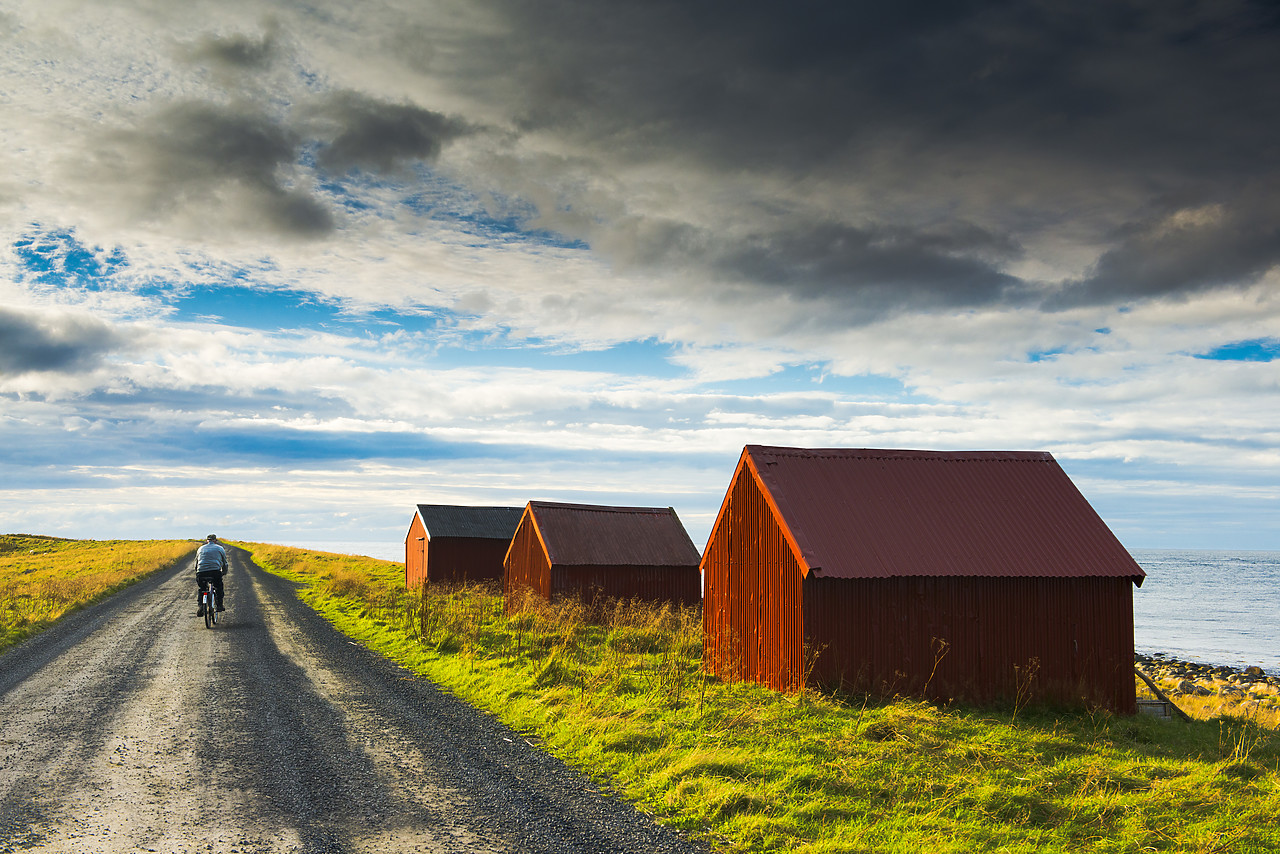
[{"x": 208, "y": 599}]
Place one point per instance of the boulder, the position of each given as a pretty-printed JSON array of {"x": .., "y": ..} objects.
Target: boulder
[{"x": 1255, "y": 671}]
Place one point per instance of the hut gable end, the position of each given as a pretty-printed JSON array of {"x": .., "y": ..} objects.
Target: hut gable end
[{"x": 751, "y": 573}]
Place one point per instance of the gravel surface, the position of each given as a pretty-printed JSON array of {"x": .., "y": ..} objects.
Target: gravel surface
[{"x": 130, "y": 727}]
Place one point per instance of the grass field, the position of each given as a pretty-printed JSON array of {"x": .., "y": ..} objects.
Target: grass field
[
  {"x": 748, "y": 769},
  {"x": 43, "y": 578}
]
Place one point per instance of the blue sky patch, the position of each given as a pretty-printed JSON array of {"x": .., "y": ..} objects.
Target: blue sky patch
[
  {"x": 1044, "y": 355},
  {"x": 255, "y": 308},
  {"x": 59, "y": 258},
  {"x": 453, "y": 203},
  {"x": 1255, "y": 350},
  {"x": 648, "y": 358}
]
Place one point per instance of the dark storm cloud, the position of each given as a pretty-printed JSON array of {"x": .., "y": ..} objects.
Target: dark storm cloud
[
  {"x": 1188, "y": 249},
  {"x": 375, "y": 134},
  {"x": 1024, "y": 118},
  {"x": 749, "y": 83},
  {"x": 875, "y": 271},
  {"x": 236, "y": 51},
  {"x": 205, "y": 142},
  {"x": 884, "y": 268},
  {"x": 240, "y": 163},
  {"x": 190, "y": 152},
  {"x": 52, "y": 343}
]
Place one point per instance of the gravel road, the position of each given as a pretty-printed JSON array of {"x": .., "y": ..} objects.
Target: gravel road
[{"x": 130, "y": 727}]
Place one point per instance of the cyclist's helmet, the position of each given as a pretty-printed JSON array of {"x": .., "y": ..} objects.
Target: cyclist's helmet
[{"x": 211, "y": 538}]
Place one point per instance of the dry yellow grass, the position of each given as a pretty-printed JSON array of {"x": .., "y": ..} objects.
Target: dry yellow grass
[
  {"x": 1259, "y": 704},
  {"x": 43, "y": 578},
  {"x": 1205, "y": 692}
]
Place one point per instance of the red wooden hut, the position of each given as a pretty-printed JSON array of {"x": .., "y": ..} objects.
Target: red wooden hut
[
  {"x": 592, "y": 551},
  {"x": 977, "y": 576},
  {"x": 448, "y": 542}
]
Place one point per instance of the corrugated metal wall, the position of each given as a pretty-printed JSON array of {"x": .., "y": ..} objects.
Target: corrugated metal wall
[
  {"x": 526, "y": 564},
  {"x": 415, "y": 554},
  {"x": 884, "y": 635},
  {"x": 676, "y": 584},
  {"x": 457, "y": 559},
  {"x": 450, "y": 559},
  {"x": 752, "y": 620}
]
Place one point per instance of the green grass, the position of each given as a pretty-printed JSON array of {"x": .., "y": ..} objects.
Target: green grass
[
  {"x": 44, "y": 578},
  {"x": 748, "y": 769}
]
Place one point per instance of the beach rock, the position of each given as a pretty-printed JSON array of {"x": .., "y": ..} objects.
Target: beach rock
[
  {"x": 1185, "y": 687},
  {"x": 1255, "y": 671}
]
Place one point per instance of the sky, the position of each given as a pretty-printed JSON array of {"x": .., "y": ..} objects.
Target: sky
[{"x": 283, "y": 270}]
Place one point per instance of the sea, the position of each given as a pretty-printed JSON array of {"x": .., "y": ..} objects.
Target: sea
[{"x": 1211, "y": 607}]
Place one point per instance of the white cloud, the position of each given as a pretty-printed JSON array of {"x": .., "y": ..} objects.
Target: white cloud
[{"x": 956, "y": 272}]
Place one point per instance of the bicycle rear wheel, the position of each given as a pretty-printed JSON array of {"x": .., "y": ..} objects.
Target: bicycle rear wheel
[{"x": 209, "y": 616}]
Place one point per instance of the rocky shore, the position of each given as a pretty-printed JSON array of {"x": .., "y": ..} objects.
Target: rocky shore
[{"x": 1203, "y": 690}]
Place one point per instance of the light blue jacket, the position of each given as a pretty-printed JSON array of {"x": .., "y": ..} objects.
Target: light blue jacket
[{"x": 211, "y": 558}]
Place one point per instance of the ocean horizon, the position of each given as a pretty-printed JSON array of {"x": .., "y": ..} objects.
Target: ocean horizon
[{"x": 1209, "y": 606}]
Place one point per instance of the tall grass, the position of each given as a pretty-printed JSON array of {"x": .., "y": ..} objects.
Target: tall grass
[
  {"x": 1257, "y": 703},
  {"x": 621, "y": 694},
  {"x": 44, "y": 578}
]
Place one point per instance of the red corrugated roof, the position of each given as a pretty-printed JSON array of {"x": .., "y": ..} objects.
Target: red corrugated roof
[
  {"x": 865, "y": 513},
  {"x": 592, "y": 535}
]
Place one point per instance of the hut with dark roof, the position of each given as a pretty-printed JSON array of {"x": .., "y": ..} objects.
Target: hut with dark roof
[
  {"x": 589, "y": 551},
  {"x": 974, "y": 576},
  {"x": 454, "y": 543}
]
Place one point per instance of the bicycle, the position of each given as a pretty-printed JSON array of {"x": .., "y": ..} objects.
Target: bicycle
[{"x": 208, "y": 601}]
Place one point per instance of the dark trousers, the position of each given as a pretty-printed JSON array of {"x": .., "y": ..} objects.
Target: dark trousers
[{"x": 204, "y": 580}]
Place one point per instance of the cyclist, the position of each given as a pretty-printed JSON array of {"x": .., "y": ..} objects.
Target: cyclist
[{"x": 211, "y": 565}]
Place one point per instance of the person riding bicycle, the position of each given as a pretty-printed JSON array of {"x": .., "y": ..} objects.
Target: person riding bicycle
[{"x": 211, "y": 565}]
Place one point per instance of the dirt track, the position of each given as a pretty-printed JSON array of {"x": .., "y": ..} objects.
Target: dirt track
[{"x": 105, "y": 724}]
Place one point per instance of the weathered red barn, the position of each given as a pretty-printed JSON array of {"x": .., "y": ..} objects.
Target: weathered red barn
[
  {"x": 592, "y": 551},
  {"x": 448, "y": 542},
  {"x": 977, "y": 576}
]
